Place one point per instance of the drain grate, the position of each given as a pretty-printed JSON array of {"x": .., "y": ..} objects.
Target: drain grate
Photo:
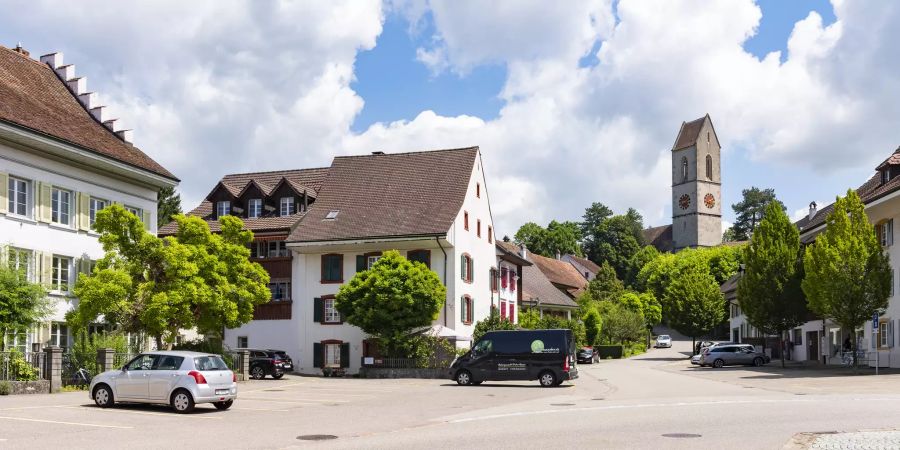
[
  {"x": 681, "y": 435},
  {"x": 316, "y": 437},
  {"x": 274, "y": 390},
  {"x": 562, "y": 404}
]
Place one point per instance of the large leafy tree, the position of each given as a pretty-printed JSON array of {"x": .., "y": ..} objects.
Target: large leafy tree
[
  {"x": 620, "y": 324},
  {"x": 162, "y": 285},
  {"x": 605, "y": 286},
  {"x": 558, "y": 237},
  {"x": 613, "y": 239},
  {"x": 491, "y": 323},
  {"x": 769, "y": 290},
  {"x": 391, "y": 299},
  {"x": 848, "y": 274},
  {"x": 636, "y": 263},
  {"x": 22, "y": 303},
  {"x": 593, "y": 325},
  {"x": 168, "y": 205},
  {"x": 696, "y": 305},
  {"x": 749, "y": 212}
]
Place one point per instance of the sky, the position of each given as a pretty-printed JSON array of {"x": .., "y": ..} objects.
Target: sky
[{"x": 569, "y": 105}]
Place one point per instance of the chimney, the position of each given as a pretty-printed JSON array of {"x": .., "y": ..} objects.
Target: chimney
[
  {"x": 812, "y": 210},
  {"x": 523, "y": 252},
  {"x": 21, "y": 50},
  {"x": 128, "y": 136},
  {"x": 54, "y": 60},
  {"x": 558, "y": 256}
]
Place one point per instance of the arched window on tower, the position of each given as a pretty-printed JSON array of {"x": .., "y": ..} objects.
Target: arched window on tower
[
  {"x": 709, "y": 169},
  {"x": 684, "y": 169}
]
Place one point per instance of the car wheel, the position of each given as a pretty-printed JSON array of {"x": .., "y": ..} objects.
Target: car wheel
[
  {"x": 758, "y": 362},
  {"x": 182, "y": 401},
  {"x": 222, "y": 406},
  {"x": 103, "y": 396},
  {"x": 277, "y": 376},
  {"x": 257, "y": 373},
  {"x": 547, "y": 379},
  {"x": 718, "y": 364},
  {"x": 464, "y": 378}
]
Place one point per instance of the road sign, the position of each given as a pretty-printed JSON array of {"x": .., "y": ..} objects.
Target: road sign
[{"x": 875, "y": 322}]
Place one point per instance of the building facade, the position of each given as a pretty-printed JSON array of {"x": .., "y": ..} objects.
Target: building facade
[{"x": 59, "y": 165}]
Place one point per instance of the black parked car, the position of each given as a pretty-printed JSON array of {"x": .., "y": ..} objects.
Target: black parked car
[
  {"x": 586, "y": 356},
  {"x": 286, "y": 363},
  {"x": 267, "y": 362},
  {"x": 544, "y": 355}
]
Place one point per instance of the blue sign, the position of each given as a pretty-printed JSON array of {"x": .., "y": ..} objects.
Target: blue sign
[{"x": 875, "y": 322}]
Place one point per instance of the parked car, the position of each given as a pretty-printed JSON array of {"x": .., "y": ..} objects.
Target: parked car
[
  {"x": 663, "y": 341},
  {"x": 586, "y": 356},
  {"x": 265, "y": 362},
  {"x": 695, "y": 360},
  {"x": 732, "y": 354},
  {"x": 544, "y": 355},
  {"x": 177, "y": 378},
  {"x": 286, "y": 362}
]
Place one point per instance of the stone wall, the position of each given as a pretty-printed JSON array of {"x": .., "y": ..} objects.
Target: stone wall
[
  {"x": 29, "y": 387},
  {"x": 370, "y": 372}
]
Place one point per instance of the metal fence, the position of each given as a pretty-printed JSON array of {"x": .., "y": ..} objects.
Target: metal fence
[
  {"x": 405, "y": 363},
  {"x": 18, "y": 366},
  {"x": 233, "y": 361}
]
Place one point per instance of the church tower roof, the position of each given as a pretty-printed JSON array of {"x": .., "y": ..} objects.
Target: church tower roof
[{"x": 689, "y": 133}]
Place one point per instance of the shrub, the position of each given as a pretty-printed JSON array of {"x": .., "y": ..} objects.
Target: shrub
[
  {"x": 83, "y": 354},
  {"x": 5, "y": 388},
  {"x": 18, "y": 368},
  {"x": 491, "y": 323}
]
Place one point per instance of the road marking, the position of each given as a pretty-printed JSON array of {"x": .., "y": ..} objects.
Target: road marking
[
  {"x": 96, "y": 425},
  {"x": 304, "y": 402},
  {"x": 261, "y": 409},
  {"x": 279, "y": 386},
  {"x": 32, "y": 407},
  {"x": 143, "y": 413}
]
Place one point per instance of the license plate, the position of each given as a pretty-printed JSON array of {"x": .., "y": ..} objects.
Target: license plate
[
  {"x": 221, "y": 391},
  {"x": 288, "y": 366}
]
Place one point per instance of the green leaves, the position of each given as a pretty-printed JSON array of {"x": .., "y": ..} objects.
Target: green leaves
[
  {"x": 695, "y": 303},
  {"x": 21, "y": 303},
  {"x": 562, "y": 237},
  {"x": 848, "y": 275}
]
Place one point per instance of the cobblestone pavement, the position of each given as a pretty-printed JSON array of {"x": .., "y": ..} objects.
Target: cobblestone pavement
[{"x": 872, "y": 439}]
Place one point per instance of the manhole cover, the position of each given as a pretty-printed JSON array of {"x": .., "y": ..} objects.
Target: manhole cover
[
  {"x": 800, "y": 393},
  {"x": 681, "y": 435},
  {"x": 562, "y": 404},
  {"x": 316, "y": 437},
  {"x": 274, "y": 390},
  {"x": 598, "y": 398}
]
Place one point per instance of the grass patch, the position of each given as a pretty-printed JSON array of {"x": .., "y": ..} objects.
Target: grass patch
[
  {"x": 633, "y": 349},
  {"x": 74, "y": 388}
]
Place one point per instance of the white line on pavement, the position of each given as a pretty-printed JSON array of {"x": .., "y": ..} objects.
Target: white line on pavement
[
  {"x": 66, "y": 423},
  {"x": 311, "y": 401},
  {"x": 144, "y": 413},
  {"x": 261, "y": 409}
]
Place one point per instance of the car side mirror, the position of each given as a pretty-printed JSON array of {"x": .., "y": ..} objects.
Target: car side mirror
[{"x": 125, "y": 368}]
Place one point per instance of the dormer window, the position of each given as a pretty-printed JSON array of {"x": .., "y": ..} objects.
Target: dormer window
[
  {"x": 223, "y": 208},
  {"x": 332, "y": 214},
  {"x": 287, "y": 206},
  {"x": 885, "y": 176},
  {"x": 254, "y": 208}
]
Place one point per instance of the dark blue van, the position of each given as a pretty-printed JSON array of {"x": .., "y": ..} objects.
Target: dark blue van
[{"x": 544, "y": 355}]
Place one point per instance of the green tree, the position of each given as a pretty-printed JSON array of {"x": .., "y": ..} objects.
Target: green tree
[
  {"x": 636, "y": 263},
  {"x": 696, "y": 304},
  {"x": 558, "y": 237},
  {"x": 533, "y": 236},
  {"x": 620, "y": 324},
  {"x": 615, "y": 240},
  {"x": 594, "y": 215},
  {"x": 593, "y": 325},
  {"x": 168, "y": 205},
  {"x": 22, "y": 303},
  {"x": 605, "y": 286},
  {"x": 391, "y": 299},
  {"x": 162, "y": 285},
  {"x": 644, "y": 303},
  {"x": 848, "y": 274},
  {"x": 769, "y": 290},
  {"x": 491, "y": 323},
  {"x": 729, "y": 235},
  {"x": 749, "y": 211}
]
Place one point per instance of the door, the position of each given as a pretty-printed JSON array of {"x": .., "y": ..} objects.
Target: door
[
  {"x": 482, "y": 364},
  {"x": 163, "y": 376},
  {"x": 134, "y": 382},
  {"x": 812, "y": 345}
]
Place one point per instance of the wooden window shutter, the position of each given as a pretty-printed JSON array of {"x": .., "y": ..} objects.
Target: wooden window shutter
[
  {"x": 45, "y": 207},
  {"x": 360, "y": 263},
  {"x": 471, "y": 275},
  {"x": 462, "y": 267},
  {"x": 46, "y": 268},
  {"x": 146, "y": 219},
  {"x": 84, "y": 211},
  {"x": 345, "y": 354},
  {"x": 318, "y": 354},
  {"x": 4, "y": 192},
  {"x": 318, "y": 310}
]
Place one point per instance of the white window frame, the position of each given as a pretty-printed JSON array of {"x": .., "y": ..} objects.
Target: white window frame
[
  {"x": 332, "y": 355},
  {"x": 61, "y": 274},
  {"x": 59, "y": 334},
  {"x": 13, "y": 192},
  {"x": 331, "y": 314},
  {"x": 16, "y": 340},
  {"x": 244, "y": 340},
  {"x": 96, "y": 205},
  {"x": 59, "y": 208},
  {"x": 883, "y": 335},
  {"x": 887, "y": 233},
  {"x": 286, "y": 206},
  {"x": 254, "y": 208},
  {"x": 15, "y": 261},
  {"x": 223, "y": 208},
  {"x": 280, "y": 286},
  {"x": 371, "y": 260}
]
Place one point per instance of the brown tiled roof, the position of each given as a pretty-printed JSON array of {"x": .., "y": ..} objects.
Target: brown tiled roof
[
  {"x": 310, "y": 178},
  {"x": 256, "y": 225},
  {"x": 659, "y": 237},
  {"x": 537, "y": 288},
  {"x": 689, "y": 133},
  {"x": 892, "y": 160},
  {"x": 560, "y": 273},
  {"x": 586, "y": 263},
  {"x": 510, "y": 252},
  {"x": 389, "y": 195},
  {"x": 33, "y": 97}
]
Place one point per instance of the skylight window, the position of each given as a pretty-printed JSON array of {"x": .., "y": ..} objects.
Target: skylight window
[{"x": 332, "y": 214}]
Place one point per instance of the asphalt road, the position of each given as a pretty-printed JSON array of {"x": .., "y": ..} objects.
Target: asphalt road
[{"x": 652, "y": 401}]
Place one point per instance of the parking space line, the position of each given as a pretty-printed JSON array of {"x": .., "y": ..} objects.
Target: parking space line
[
  {"x": 304, "y": 402},
  {"x": 272, "y": 387},
  {"x": 144, "y": 413},
  {"x": 261, "y": 409},
  {"x": 96, "y": 425}
]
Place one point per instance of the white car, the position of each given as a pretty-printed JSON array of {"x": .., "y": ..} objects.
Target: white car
[
  {"x": 663, "y": 341},
  {"x": 179, "y": 379}
]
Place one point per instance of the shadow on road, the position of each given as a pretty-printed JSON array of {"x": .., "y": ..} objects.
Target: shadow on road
[
  {"x": 525, "y": 386},
  {"x": 203, "y": 408}
]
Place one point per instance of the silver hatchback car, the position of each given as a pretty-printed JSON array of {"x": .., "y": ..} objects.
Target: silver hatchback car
[
  {"x": 176, "y": 378},
  {"x": 737, "y": 354}
]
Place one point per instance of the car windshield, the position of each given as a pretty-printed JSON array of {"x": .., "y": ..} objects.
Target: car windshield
[
  {"x": 665, "y": 336},
  {"x": 210, "y": 362}
]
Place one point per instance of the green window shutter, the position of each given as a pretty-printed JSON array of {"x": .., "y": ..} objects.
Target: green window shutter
[
  {"x": 345, "y": 355},
  {"x": 462, "y": 266},
  {"x": 44, "y": 210},
  {"x": 318, "y": 310},
  {"x": 462, "y": 309},
  {"x": 318, "y": 354},
  {"x": 84, "y": 211},
  {"x": 4, "y": 192},
  {"x": 360, "y": 263},
  {"x": 146, "y": 219},
  {"x": 471, "y": 270}
]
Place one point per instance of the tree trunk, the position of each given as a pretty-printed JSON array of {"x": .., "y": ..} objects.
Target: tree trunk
[
  {"x": 693, "y": 345},
  {"x": 782, "y": 349},
  {"x": 159, "y": 342},
  {"x": 856, "y": 354}
]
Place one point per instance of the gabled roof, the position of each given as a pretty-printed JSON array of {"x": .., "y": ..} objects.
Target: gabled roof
[
  {"x": 311, "y": 178},
  {"x": 389, "y": 195},
  {"x": 296, "y": 186},
  {"x": 233, "y": 190},
  {"x": 510, "y": 252},
  {"x": 34, "y": 98},
  {"x": 584, "y": 262},
  {"x": 892, "y": 160},
  {"x": 659, "y": 237},
  {"x": 689, "y": 133},
  {"x": 537, "y": 289},
  {"x": 264, "y": 188},
  {"x": 561, "y": 273}
]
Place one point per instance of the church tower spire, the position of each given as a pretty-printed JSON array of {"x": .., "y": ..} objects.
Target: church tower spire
[{"x": 696, "y": 186}]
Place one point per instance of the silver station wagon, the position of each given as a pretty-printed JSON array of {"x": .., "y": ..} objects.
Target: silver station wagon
[{"x": 179, "y": 379}]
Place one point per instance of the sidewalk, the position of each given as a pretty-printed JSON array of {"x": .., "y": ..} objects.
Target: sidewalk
[{"x": 880, "y": 439}]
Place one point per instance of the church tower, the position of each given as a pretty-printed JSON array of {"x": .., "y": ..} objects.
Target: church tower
[{"x": 696, "y": 186}]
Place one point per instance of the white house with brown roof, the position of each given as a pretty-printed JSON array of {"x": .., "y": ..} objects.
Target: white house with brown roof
[{"x": 61, "y": 160}]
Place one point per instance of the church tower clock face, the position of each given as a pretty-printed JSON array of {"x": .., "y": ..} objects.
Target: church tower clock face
[
  {"x": 710, "y": 201},
  {"x": 684, "y": 202}
]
